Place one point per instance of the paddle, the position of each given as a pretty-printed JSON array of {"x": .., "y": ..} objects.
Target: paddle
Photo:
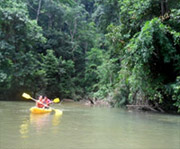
[{"x": 56, "y": 100}]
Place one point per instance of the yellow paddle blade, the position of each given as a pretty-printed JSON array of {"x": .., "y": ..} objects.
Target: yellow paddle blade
[
  {"x": 27, "y": 96},
  {"x": 56, "y": 100}
]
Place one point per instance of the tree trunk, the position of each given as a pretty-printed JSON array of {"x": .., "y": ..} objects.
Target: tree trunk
[
  {"x": 72, "y": 33},
  {"x": 164, "y": 7},
  {"x": 38, "y": 11},
  {"x": 49, "y": 21}
]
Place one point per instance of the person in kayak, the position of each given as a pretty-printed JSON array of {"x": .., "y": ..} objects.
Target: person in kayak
[
  {"x": 40, "y": 102},
  {"x": 47, "y": 102}
]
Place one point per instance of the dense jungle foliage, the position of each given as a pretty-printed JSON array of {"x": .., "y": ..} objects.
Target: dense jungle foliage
[{"x": 122, "y": 51}]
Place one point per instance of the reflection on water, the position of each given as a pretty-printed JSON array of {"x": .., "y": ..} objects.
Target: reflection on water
[
  {"x": 39, "y": 122},
  {"x": 24, "y": 128}
]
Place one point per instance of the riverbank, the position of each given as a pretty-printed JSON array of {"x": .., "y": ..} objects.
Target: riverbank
[
  {"x": 129, "y": 107},
  {"x": 109, "y": 103},
  {"x": 91, "y": 102}
]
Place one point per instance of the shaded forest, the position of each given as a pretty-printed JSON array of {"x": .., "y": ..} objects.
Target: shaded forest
[{"x": 121, "y": 51}]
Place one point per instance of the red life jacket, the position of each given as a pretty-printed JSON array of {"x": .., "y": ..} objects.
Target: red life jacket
[{"x": 39, "y": 104}]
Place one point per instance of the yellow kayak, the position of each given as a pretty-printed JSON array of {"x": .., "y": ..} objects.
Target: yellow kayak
[{"x": 37, "y": 110}]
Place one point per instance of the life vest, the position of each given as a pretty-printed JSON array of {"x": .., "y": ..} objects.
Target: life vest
[
  {"x": 47, "y": 101},
  {"x": 39, "y": 103}
]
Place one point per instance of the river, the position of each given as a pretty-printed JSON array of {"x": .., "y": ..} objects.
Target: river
[{"x": 82, "y": 127}]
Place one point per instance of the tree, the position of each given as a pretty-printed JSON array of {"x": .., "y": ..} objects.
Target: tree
[
  {"x": 106, "y": 12},
  {"x": 93, "y": 60},
  {"x": 145, "y": 48},
  {"x": 58, "y": 74},
  {"x": 19, "y": 38}
]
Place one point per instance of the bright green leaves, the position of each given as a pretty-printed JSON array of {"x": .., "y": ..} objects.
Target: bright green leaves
[
  {"x": 148, "y": 56},
  {"x": 35, "y": 32},
  {"x": 150, "y": 39}
]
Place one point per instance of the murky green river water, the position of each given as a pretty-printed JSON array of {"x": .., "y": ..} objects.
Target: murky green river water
[{"x": 82, "y": 127}]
